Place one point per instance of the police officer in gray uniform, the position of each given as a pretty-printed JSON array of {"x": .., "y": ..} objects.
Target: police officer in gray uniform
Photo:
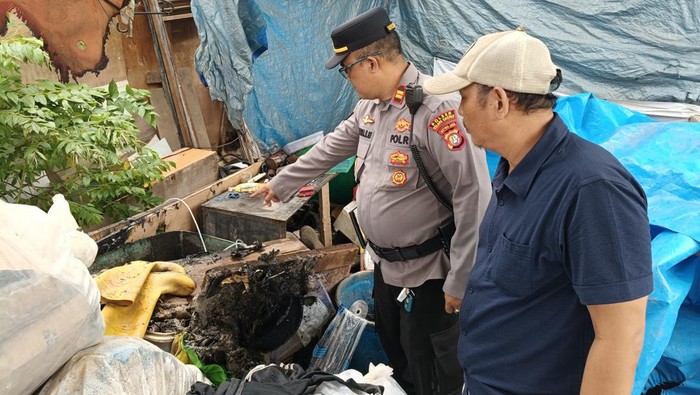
[{"x": 417, "y": 285}]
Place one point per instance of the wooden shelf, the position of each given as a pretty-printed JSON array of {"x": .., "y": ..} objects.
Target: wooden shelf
[{"x": 176, "y": 17}]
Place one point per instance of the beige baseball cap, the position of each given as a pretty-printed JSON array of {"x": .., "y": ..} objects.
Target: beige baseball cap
[{"x": 512, "y": 60}]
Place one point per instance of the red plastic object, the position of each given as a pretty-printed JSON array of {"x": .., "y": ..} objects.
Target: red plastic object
[{"x": 305, "y": 191}]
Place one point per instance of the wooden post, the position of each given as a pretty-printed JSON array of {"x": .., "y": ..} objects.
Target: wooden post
[
  {"x": 325, "y": 210},
  {"x": 171, "y": 85}
]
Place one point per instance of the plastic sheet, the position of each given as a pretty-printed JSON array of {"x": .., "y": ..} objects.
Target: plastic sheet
[
  {"x": 123, "y": 365},
  {"x": 676, "y": 269},
  {"x": 315, "y": 316},
  {"x": 380, "y": 375},
  {"x": 334, "y": 350},
  {"x": 265, "y": 58},
  {"x": 50, "y": 303}
]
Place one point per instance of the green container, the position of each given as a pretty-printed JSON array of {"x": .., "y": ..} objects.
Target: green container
[
  {"x": 168, "y": 246},
  {"x": 342, "y": 185}
]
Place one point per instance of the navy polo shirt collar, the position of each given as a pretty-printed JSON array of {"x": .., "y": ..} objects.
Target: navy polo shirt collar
[{"x": 520, "y": 179}]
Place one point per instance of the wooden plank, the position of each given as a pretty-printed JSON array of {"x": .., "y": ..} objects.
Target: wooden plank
[
  {"x": 333, "y": 264},
  {"x": 140, "y": 56},
  {"x": 154, "y": 78},
  {"x": 223, "y": 260},
  {"x": 170, "y": 18},
  {"x": 328, "y": 258},
  {"x": 215, "y": 119},
  {"x": 331, "y": 278},
  {"x": 171, "y": 215},
  {"x": 171, "y": 85},
  {"x": 167, "y": 129},
  {"x": 325, "y": 212},
  {"x": 194, "y": 169},
  {"x": 184, "y": 39},
  {"x": 198, "y": 130}
]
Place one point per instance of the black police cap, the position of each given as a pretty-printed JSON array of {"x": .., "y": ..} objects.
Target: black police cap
[{"x": 359, "y": 32}]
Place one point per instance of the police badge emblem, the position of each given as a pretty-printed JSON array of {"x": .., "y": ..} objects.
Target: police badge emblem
[
  {"x": 399, "y": 177},
  {"x": 402, "y": 125},
  {"x": 398, "y": 158}
]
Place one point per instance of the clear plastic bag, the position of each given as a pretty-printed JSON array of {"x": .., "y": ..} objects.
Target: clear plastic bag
[
  {"x": 50, "y": 303},
  {"x": 334, "y": 350}
]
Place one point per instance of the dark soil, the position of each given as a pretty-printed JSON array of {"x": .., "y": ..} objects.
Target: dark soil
[{"x": 244, "y": 312}]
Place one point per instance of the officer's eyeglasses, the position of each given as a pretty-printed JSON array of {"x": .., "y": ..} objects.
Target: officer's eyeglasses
[{"x": 343, "y": 70}]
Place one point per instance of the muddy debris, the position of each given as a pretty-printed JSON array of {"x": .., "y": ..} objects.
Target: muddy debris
[
  {"x": 243, "y": 313},
  {"x": 172, "y": 314}
]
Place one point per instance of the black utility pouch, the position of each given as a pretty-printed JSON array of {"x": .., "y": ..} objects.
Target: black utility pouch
[{"x": 447, "y": 229}]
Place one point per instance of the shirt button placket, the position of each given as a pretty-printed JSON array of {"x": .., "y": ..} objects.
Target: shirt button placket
[{"x": 500, "y": 203}]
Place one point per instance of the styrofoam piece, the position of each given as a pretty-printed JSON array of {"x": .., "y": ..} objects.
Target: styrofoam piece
[{"x": 303, "y": 142}]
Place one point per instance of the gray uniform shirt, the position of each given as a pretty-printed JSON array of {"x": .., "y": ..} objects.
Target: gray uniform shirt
[{"x": 394, "y": 205}]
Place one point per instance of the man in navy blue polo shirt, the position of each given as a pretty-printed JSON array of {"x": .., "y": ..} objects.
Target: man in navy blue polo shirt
[{"x": 556, "y": 301}]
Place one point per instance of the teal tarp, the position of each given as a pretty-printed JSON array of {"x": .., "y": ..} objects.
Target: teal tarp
[{"x": 265, "y": 58}]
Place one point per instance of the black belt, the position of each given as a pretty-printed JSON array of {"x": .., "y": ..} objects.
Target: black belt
[{"x": 411, "y": 252}]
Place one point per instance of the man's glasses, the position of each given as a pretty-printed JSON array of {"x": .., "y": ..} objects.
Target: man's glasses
[{"x": 343, "y": 70}]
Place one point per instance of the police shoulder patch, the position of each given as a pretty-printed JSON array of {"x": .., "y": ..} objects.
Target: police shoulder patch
[
  {"x": 443, "y": 122},
  {"x": 399, "y": 95},
  {"x": 454, "y": 138}
]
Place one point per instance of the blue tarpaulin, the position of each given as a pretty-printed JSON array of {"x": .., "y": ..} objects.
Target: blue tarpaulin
[{"x": 265, "y": 58}]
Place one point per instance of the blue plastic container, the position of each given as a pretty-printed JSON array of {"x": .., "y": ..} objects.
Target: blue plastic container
[{"x": 358, "y": 286}]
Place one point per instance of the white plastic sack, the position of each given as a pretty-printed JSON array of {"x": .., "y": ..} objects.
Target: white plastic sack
[
  {"x": 121, "y": 365},
  {"x": 377, "y": 374},
  {"x": 50, "y": 303},
  {"x": 83, "y": 246}
]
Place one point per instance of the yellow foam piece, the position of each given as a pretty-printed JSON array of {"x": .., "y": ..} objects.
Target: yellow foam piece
[{"x": 121, "y": 285}]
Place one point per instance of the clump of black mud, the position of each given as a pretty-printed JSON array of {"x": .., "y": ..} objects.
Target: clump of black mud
[{"x": 243, "y": 313}]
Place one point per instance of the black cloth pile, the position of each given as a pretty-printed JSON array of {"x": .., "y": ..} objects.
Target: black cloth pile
[{"x": 290, "y": 379}]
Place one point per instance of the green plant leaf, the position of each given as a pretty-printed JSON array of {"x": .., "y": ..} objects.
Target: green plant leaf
[
  {"x": 215, "y": 373},
  {"x": 78, "y": 136},
  {"x": 113, "y": 90}
]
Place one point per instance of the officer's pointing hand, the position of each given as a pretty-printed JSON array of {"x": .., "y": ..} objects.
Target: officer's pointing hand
[
  {"x": 452, "y": 304},
  {"x": 265, "y": 191}
]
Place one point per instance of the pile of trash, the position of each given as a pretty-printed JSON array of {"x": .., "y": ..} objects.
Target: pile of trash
[
  {"x": 63, "y": 331},
  {"x": 51, "y": 326}
]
